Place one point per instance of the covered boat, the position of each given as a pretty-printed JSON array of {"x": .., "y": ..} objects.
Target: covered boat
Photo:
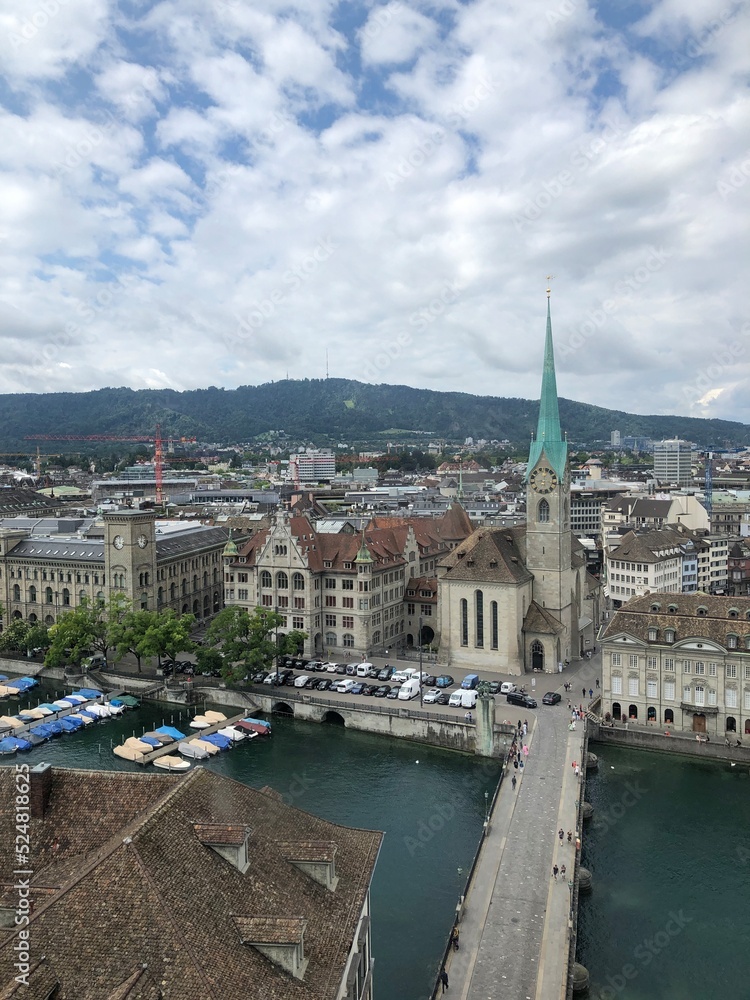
[
  {"x": 214, "y": 717},
  {"x": 170, "y": 731},
  {"x": 100, "y": 711},
  {"x": 45, "y": 710},
  {"x": 5, "y": 692},
  {"x": 170, "y": 763},
  {"x": 8, "y": 745},
  {"x": 151, "y": 740},
  {"x": 62, "y": 704},
  {"x": 12, "y": 721},
  {"x": 114, "y": 709},
  {"x": 257, "y": 726},
  {"x": 31, "y": 714},
  {"x": 56, "y": 727},
  {"x": 135, "y": 744},
  {"x": 129, "y": 701},
  {"x": 21, "y": 684},
  {"x": 87, "y": 720},
  {"x": 162, "y": 738},
  {"x": 200, "y": 722},
  {"x": 127, "y": 753},
  {"x": 190, "y": 750},
  {"x": 52, "y": 709},
  {"x": 23, "y": 743},
  {"x": 71, "y": 725},
  {"x": 78, "y": 699},
  {"x": 88, "y": 715},
  {"x": 217, "y": 740},
  {"x": 41, "y": 730},
  {"x": 234, "y": 734},
  {"x": 89, "y": 693},
  {"x": 33, "y": 739},
  {"x": 210, "y": 748}
]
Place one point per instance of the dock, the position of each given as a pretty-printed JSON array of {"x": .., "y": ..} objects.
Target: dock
[
  {"x": 104, "y": 697},
  {"x": 196, "y": 734}
]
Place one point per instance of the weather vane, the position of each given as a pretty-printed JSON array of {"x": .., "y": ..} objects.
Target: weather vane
[{"x": 549, "y": 279}]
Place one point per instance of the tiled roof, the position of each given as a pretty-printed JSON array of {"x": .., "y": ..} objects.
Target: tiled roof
[
  {"x": 539, "y": 620},
  {"x": 139, "y": 986},
  {"x": 201, "y": 537},
  {"x": 78, "y": 549},
  {"x": 271, "y": 930},
  {"x": 221, "y": 833},
  {"x": 308, "y": 850},
  {"x": 42, "y": 981},
  {"x": 636, "y": 617},
  {"x": 146, "y": 892},
  {"x": 491, "y": 555}
]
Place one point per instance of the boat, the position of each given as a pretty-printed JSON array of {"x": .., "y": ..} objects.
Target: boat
[
  {"x": 87, "y": 720},
  {"x": 127, "y": 753},
  {"x": 23, "y": 743},
  {"x": 257, "y": 726},
  {"x": 200, "y": 722},
  {"x": 100, "y": 711},
  {"x": 89, "y": 693},
  {"x": 135, "y": 744},
  {"x": 31, "y": 714},
  {"x": 8, "y": 745},
  {"x": 5, "y": 692},
  {"x": 163, "y": 738},
  {"x": 210, "y": 748},
  {"x": 77, "y": 699},
  {"x": 21, "y": 684},
  {"x": 62, "y": 704},
  {"x": 190, "y": 750},
  {"x": 12, "y": 721},
  {"x": 214, "y": 717},
  {"x": 41, "y": 730},
  {"x": 45, "y": 710},
  {"x": 114, "y": 709},
  {"x": 3, "y": 677},
  {"x": 152, "y": 741},
  {"x": 71, "y": 725},
  {"x": 170, "y": 731},
  {"x": 34, "y": 739},
  {"x": 129, "y": 701},
  {"x": 89, "y": 715},
  {"x": 217, "y": 740},
  {"x": 56, "y": 727},
  {"x": 170, "y": 763},
  {"x": 234, "y": 734}
]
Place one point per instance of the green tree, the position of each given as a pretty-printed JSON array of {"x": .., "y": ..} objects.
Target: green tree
[
  {"x": 13, "y": 638},
  {"x": 168, "y": 635},
  {"x": 248, "y": 640},
  {"x": 129, "y": 634},
  {"x": 208, "y": 659},
  {"x": 85, "y": 628}
]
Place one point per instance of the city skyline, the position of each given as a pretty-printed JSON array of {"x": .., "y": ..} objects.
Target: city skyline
[{"x": 202, "y": 194}]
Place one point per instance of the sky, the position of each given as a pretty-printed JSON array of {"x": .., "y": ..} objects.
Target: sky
[{"x": 231, "y": 192}]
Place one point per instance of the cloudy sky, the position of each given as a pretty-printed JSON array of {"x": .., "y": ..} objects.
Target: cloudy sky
[{"x": 218, "y": 192}]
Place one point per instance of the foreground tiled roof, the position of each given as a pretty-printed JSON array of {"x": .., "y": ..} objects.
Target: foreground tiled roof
[
  {"x": 717, "y": 624},
  {"x": 134, "y": 887}
]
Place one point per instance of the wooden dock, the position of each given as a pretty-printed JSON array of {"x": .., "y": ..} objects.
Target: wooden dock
[
  {"x": 63, "y": 712},
  {"x": 195, "y": 734}
]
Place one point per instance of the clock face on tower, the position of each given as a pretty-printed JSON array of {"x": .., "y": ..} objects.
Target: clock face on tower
[
  {"x": 118, "y": 541},
  {"x": 543, "y": 480},
  {"x": 142, "y": 541}
]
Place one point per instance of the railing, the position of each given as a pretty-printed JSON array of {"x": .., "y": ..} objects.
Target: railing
[{"x": 572, "y": 944}]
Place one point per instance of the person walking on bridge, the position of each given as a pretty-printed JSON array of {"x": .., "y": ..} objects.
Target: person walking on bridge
[{"x": 444, "y": 980}]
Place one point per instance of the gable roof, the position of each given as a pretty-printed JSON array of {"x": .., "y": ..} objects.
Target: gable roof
[
  {"x": 492, "y": 555},
  {"x": 539, "y": 621}
]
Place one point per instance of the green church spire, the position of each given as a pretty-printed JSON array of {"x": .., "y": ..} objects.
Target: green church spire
[{"x": 549, "y": 440}]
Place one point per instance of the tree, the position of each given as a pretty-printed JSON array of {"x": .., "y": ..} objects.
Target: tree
[
  {"x": 208, "y": 659},
  {"x": 248, "y": 641},
  {"x": 85, "y": 628},
  {"x": 167, "y": 635},
  {"x": 130, "y": 634},
  {"x": 13, "y": 638}
]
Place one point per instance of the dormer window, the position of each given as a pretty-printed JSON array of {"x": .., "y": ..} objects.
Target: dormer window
[
  {"x": 731, "y": 642},
  {"x": 280, "y": 939},
  {"x": 702, "y": 612},
  {"x": 229, "y": 840},
  {"x": 672, "y": 609},
  {"x": 653, "y": 634},
  {"x": 669, "y": 635},
  {"x": 734, "y": 613}
]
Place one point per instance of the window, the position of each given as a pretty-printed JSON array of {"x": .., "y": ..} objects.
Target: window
[
  {"x": 298, "y": 624},
  {"x": 687, "y": 667},
  {"x": 242, "y": 594},
  {"x": 651, "y": 689},
  {"x": 266, "y": 601},
  {"x": 426, "y": 610},
  {"x": 265, "y": 579},
  {"x": 746, "y": 700},
  {"x": 712, "y": 669},
  {"x": 410, "y": 609},
  {"x": 542, "y": 512},
  {"x": 700, "y": 668},
  {"x": 633, "y": 687},
  {"x": 712, "y": 696},
  {"x": 730, "y": 671},
  {"x": 731, "y": 697},
  {"x": 330, "y": 583},
  {"x": 669, "y": 635},
  {"x": 348, "y": 640},
  {"x": 616, "y": 684},
  {"x": 347, "y": 621},
  {"x": 347, "y": 584},
  {"x": 282, "y": 581},
  {"x": 700, "y": 695},
  {"x": 464, "y": 609},
  {"x": 668, "y": 663},
  {"x": 331, "y": 621},
  {"x": 330, "y": 638},
  {"x": 731, "y": 642},
  {"x": 616, "y": 660},
  {"x": 633, "y": 660},
  {"x": 669, "y": 690},
  {"x": 347, "y": 602},
  {"x": 16, "y": 592},
  {"x": 479, "y": 612},
  {"x": 651, "y": 662},
  {"x": 364, "y": 604},
  {"x": 686, "y": 692},
  {"x": 493, "y": 617},
  {"x": 48, "y": 599},
  {"x": 298, "y": 581}
]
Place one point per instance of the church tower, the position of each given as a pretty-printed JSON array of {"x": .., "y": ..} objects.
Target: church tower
[{"x": 548, "y": 534}]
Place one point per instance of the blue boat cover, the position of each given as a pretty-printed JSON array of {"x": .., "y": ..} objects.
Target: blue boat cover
[
  {"x": 89, "y": 715},
  {"x": 71, "y": 725},
  {"x": 222, "y": 742},
  {"x": 116, "y": 702},
  {"x": 52, "y": 708},
  {"x": 89, "y": 692},
  {"x": 8, "y": 745},
  {"x": 151, "y": 740},
  {"x": 41, "y": 730},
  {"x": 258, "y": 722},
  {"x": 23, "y": 744},
  {"x": 56, "y": 727},
  {"x": 24, "y": 683},
  {"x": 170, "y": 731}
]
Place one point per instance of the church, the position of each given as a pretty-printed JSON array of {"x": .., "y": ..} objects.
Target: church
[{"x": 517, "y": 600}]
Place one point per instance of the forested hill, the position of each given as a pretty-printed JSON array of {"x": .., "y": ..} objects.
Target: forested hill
[{"x": 335, "y": 408}]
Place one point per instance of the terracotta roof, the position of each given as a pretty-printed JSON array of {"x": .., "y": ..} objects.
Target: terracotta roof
[
  {"x": 636, "y": 618},
  {"x": 145, "y": 881},
  {"x": 489, "y": 554}
]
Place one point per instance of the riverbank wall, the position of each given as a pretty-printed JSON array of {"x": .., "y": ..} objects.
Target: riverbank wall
[{"x": 676, "y": 743}]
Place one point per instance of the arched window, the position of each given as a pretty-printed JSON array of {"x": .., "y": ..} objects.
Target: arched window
[
  {"x": 205, "y": 579},
  {"x": 537, "y": 655},
  {"x": 81, "y": 596},
  {"x": 100, "y": 598},
  {"x": 160, "y": 597},
  {"x": 493, "y": 617},
  {"x": 331, "y": 638},
  {"x": 376, "y": 640},
  {"x": 731, "y": 724},
  {"x": 48, "y": 599},
  {"x": 651, "y": 714},
  {"x": 298, "y": 581},
  {"x": 348, "y": 640},
  {"x": 16, "y": 592},
  {"x": 196, "y": 608},
  {"x": 172, "y": 591},
  {"x": 464, "y": 606},
  {"x": 266, "y": 579},
  {"x": 542, "y": 511},
  {"x": 216, "y": 601},
  {"x": 195, "y": 582},
  {"x": 479, "y": 617},
  {"x": 66, "y": 597},
  {"x": 633, "y": 712},
  {"x": 282, "y": 581},
  {"x": 32, "y": 595},
  {"x": 668, "y": 715}
]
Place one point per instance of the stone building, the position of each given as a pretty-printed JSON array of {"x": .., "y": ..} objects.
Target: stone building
[
  {"x": 519, "y": 599},
  {"x": 51, "y": 566},
  {"x": 681, "y": 660},
  {"x": 191, "y": 887}
]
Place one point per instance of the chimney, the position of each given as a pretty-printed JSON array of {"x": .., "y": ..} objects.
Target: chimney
[{"x": 41, "y": 787}]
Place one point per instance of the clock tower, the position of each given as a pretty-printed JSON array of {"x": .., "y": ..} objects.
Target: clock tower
[
  {"x": 130, "y": 555},
  {"x": 548, "y": 534}
]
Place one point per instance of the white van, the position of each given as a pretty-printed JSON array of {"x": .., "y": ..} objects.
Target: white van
[
  {"x": 344, "y": 686},
  {"x": 468, "y": 699},
  {"x": 363, "y": 669},
  {"x": 400, "y": 677},
  {"x": 455, "y": 699},
  {"x": 408, "y": 690}
]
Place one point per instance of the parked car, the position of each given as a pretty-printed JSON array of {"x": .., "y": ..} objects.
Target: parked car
[
  {"x": 506, "y": 687},
  {"x": 443, "y": 698},
  {"x": 323, "y": 684},
  {"x": 494, "y": 687},
  {"x": 409, "y": 689},
  {"x": 524, "y": 700},
  {"x": 312, "y": 665},
  {"x": 301, "y": 680},
  {"x": 455, "y": 699},
  {"x": 312, "y": 681},
  {"x": 344, "y": 686},
  {"x": 551, "y": 698},
  {"x": 330, "y": 667},
  {"x": 373, "y": 672},
  {"x": 351, "y": 669},
  {"x": 431, "y": 696},
  {"x": 300, "y": 664},
  {"x": 286, "y": 661},
  {"x": 393, "y": 693},
  {"x": 369, "y": 689},
  {"x": 444, "y": 681},
  {"x": 429, "y": 680},
  {"x": 469, "y": 682},
  {"x": 357, "y": 689},
  {"x": 290, "y": 680},
  {"x": 385, "y": 674},
  {"x": 341, "y": 668},
  {"x": 383, "y": 691}
]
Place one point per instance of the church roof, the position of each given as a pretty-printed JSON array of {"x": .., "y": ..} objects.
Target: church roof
[
  {"x": 492, "y": 555},
  {"x": 540, "y": 621},
  {"x": 549, "y": 440}
]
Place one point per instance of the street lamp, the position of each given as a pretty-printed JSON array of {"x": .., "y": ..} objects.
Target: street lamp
[
  {"x": 276, "y": 643},
  {"x": 421, "y": 703}
]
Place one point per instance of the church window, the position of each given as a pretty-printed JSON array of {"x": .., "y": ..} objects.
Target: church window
[
  {"x": 493, "y": 617},
  {"x": 464, "y": 622},
  {"x": 543, "y": 511},
  {"x": 479, "y": 615}
]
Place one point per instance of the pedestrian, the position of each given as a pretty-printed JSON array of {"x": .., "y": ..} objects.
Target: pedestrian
[
  {"x": 584, "y": 692},
  {"x": 591, "y": 693},
  {"x": 525, "y": 750},
  {"x": 574, "y": 765},
  {"x": 555, "y": 871},
  {"x": 444, "y": 980},
  {"x": 515, "y": 763},
  {"x": 518, "y": 727},
  {"x": 726, "y": 741},
  {"x": 561, "y": 834},
  {"x": 738, "y": 743},
  {"x": 570, "y": 836},
  {"x": 469, "y": 718},
  {"x": 454, "y": 938},
  {"x": 578, "y": 770},
  {"x": 520, "y": 764},
  {"x": 570, "y": 707},
  {"x": 597, "y": 683},
  {"x": 513, "y": 781},
  {"x": 559, "y": 668},
  {"x": 563, "y": 870}
]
